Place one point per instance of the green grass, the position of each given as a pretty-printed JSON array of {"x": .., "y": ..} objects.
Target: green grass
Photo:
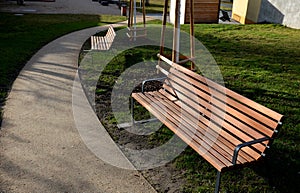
[
  {"x": 260, "y": 62},
  {"x": 22, "y": 36},
  {"x": 156, "y": 6}
]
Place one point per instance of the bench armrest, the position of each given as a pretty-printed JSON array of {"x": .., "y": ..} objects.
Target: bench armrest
[
  {"x": 240, "y": 146},
  {"x": 150, "y": 80}
]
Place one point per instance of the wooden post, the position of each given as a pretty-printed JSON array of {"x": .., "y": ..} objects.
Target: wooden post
[
  {"x": 163, "y": 30},
  {"x": 130, "y": 14},
  {"x": 132, "y": 22},
  {"x": 176, "y": 34},
  {"x": 144, "y": 15}
]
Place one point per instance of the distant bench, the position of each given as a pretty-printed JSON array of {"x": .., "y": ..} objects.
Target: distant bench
[
  {"x": 225, "y": 128},
  {"x": 103, "y": 42}
]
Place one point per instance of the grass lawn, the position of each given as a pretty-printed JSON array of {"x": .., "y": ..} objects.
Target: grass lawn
[
  {"x": 22, "y": 36},
  {"x": 260, "y": 62},
  {"x": 156, "y": 6}
]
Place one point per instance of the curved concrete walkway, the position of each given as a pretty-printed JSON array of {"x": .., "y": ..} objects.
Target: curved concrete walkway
[
  {"x": 60, "y": 6},
  {"x": 40, "y": 147}
]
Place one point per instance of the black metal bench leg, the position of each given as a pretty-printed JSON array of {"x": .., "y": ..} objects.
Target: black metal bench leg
[
  {"x": 132, "y": 110},
  {"x": 218, "y": 182}
]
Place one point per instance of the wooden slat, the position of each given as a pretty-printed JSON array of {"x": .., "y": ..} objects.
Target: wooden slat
[
  {"x": 259, "y": 114},
  {"x": 208, "y": 112},
  {"x": 206, "y": 100},
  {"x": 190, "y": 122},
  {"x": 212, "y": 113},
  {"x": 172, "y": 124},
  {"x": 264, "y": 110},
  {"x": 216, "y": 146},
  {"x": 222, "y": 142},
  {"x": 222, "y": 102}
]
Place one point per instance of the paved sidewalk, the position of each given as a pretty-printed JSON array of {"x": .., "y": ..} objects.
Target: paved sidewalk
[
  {"x": 40, "y": 147},
  {"x": 60, "y": 7}
]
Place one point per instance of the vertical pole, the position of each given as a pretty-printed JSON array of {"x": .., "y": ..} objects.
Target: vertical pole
[
  {"x": 192, "y": 40},
  {"x": 132, "y": 110},
  {"x": 218, "y": 14},
  {"x": 144, "y": 16},
  {"x": 163, "y": 30},
  {"x": 134, "y": 13},
  {"x": 217, "y": 188},
  {"x": 131, "y": 18},
  {"x": 129, "y": 15},
  {"x": 176, "y": 33}
]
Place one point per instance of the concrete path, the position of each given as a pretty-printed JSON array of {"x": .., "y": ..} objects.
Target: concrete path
[
  {"x": 40, "y": 147},
  {"x": 59, "y": 6}
]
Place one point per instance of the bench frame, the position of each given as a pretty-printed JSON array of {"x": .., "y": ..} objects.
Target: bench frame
[
  {"x": 103, "y": 42},
  {"x": 266, "y": 140}
]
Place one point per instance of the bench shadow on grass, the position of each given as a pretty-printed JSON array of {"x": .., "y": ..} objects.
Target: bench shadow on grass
[{"x": 281, "y": 166}]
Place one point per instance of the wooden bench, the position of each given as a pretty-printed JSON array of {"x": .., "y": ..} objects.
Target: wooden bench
[
  {"x": 103, "y": 42},
  {"x": 225, "y": 128}
]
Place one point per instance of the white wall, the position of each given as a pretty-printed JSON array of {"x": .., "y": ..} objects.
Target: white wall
[
  {"x": 286, "y": 12},
  {"x": 182, "y": 11}
]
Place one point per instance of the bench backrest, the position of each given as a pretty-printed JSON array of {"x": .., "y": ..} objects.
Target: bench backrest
[
  {"x": 103, "y": 42},
  {"x": 110, "y": 35},
  {"x": 220, "y": 111}
]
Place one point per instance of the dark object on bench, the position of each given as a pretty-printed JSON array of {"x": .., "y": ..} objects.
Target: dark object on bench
[
  {"x": 225, "y": 16},
  {"x": 225, "y": 128}
]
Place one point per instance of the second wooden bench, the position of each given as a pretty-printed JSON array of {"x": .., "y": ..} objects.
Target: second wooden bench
[{"x": 103, "y": 42}]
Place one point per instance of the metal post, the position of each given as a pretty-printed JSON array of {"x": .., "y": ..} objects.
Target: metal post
[
  {"x": 144, "y": 16},
  {"x": 217, "y": 188},
  {"x": 134, "y": 25},
  {"x": 176, "y": 33},
  {"x": 132, "y": 110},
  {"x": 163, "y": 30},
  {"x": 192, "y": 41}
]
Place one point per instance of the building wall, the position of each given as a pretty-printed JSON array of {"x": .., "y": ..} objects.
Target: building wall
[
  {"x": 253, "y": 10},
  {"x": 239, "y": 10},
  {"x": 286, "y": 12},
  {"x": 205, "y": 11}
]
